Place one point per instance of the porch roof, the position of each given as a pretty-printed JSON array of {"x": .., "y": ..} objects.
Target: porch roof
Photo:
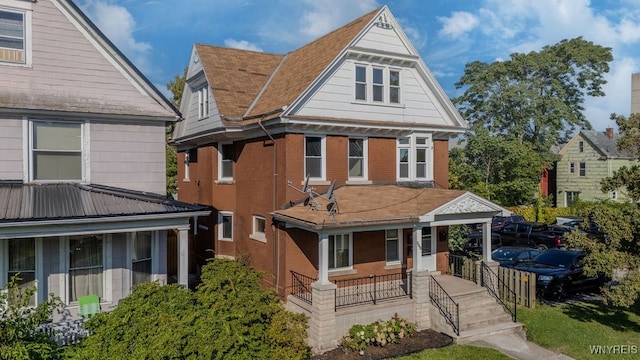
[
  {"x": 66, "y": 201},
  {"x": 369, "y": 205}
]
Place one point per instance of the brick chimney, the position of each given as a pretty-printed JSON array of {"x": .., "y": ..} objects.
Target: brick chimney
[{"x": 609, "y": 132}]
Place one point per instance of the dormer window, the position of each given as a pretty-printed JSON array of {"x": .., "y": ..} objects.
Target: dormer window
[
  {"x": 203, "y": 102},
  {"x": 377, "y": 84},
  {"x": 12, "y": 37}
]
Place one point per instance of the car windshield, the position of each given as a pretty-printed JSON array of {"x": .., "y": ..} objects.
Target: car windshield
[
  {"x": 497, "y": 219},
  {"x": 560, "y": 258},
  {"x": 504, "y": 254}
]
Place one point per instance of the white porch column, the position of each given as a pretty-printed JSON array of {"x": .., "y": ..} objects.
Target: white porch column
[
  {"x": 183, "y": 256},
  {"x": 323, "y": 258},
  {"x": 417, "y": 249},
  {"x": 486, "y": 242}
]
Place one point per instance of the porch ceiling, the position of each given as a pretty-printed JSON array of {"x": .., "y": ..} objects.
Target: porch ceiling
[{"x": 374, "y": 205}]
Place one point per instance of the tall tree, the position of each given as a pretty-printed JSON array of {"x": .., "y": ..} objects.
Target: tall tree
[
  {"x": 517, "y": 109},
  {"x": 535, "y": 97},
  {"x": 176, "y": 86}
]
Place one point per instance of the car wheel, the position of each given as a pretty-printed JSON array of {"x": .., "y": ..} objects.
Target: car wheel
[
  {"x": 560, "y": 291},
  {"x": 542, "y": 247}
]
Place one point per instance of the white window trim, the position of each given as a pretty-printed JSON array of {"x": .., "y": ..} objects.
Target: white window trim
[
  {"x": 130, "y": 250},
  {"x": 350, "y": 266},
  {"x": 399, "y": 238},
  {"x": 386, "y": 85},
  {"x": 85, "y": 150},
  {"x": 323, "y": 162},
  {"x": 4, "y": 268},
  {"x": 107, "y": 271},
  {"x": 203, "y": 102},
  {"x": 221, "y": 178},
  {"x": 219, "y": 225},
  {"x": 255, "y": 234},
  {"x": 365, "y": 159},
  {"x": 24, "y": 7},
  {"x": 413, "y": 146}
]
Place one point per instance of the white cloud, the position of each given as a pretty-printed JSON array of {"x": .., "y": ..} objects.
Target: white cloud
[
  {"x": 325, "y": 16},
  {"x": 458, "y": 24},
  {"x": 242, "y": 44},
  {"x": 119, "y": 26}
]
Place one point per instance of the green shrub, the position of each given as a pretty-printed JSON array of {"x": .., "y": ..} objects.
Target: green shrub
[{"x": 379, "y": 333}]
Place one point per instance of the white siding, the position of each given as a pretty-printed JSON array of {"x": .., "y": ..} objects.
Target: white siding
[
  {"x": 383, "y": 39},
  {"x": 335, "y": 98},
  {"x": 129, "y": 156},
  {"x": 11, "y": 149},
  {"x": 67, "y": 69}
]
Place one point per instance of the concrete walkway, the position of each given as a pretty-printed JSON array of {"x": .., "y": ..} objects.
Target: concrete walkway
[{"x": 517, "y": 347}]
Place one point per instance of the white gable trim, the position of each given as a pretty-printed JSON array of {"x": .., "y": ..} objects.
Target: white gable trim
[
  {"x": 467, "y": 203},
  {"x": 111, "y": 54}
]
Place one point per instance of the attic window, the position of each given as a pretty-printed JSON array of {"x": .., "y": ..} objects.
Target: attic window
[
  {"x": 377, "y": 84},
  {"x": 581, "y": 146},
  {"x": 12, "y": 37},
  {"x": 203, "y": 102}
]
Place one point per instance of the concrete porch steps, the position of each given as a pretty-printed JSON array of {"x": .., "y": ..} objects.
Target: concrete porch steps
[{"x": 480, "y": 314}]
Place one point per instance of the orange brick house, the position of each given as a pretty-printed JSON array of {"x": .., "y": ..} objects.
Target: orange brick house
[{"x": 326, "y": 167}]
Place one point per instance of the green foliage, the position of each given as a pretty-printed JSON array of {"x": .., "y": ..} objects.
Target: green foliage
[
  {"x": 176, "y": 86},
  {"x": 19, "y": 321},
  {"x": 457, "y": 236},
  {"x": 230, "y": 315},
  {"x": 543, "y": 213},
  {"x": 378, "y": 333},
  {"x": 627, "y": 177},
  {"x": 617, "y": 255}
]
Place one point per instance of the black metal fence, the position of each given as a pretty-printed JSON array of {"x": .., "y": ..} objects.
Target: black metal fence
[
  {"x": 445, "y": 303},
  {"x": 373, "y": 288},
  {"x": 501, "y": 291},
  {"x": 301, "y": 287}
]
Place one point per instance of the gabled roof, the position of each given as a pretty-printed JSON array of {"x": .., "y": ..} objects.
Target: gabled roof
[
  {"x": 62, "y": 19},
  {"x": 385, "y": 204},
  {"x": 608, "y": 146},
  {"x": 236, "y": 76},
  {"x": 65, "y": 201},
  {"x": 248, "y": 83}
]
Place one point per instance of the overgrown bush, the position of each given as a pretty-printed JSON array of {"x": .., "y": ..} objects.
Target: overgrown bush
[
  {"x": 229, "y": 316},
  {"x": 379, "y": 333},
  {"x": 19, "y": 338},
  {"x": 544, "y": 214}
]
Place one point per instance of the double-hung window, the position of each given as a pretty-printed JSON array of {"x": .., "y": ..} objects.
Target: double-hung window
[
  {"x": 225, "y": 225},
  {"x": 203, "y": 102},
  {"x": 12, "y": 37},
  {"x": 22, "y": 263},
  {"x": 572, "y": 167},
  {"x": 426, "y": 241},
  {"x": 394, "y": 251},
  {"x": 377, "y": 84},
  {"x": 339, "y": 251},
  {"x": 314, "y": 157},
  {"x": 141, "y": 259},
  {"x": 414, "y": 158},
  {"x": 56, "y": 151},
  {"x": 357, "y": 158},
  {"x": 583, "y": 169},
  {"x": 225, "y": 162},
  {"x": 86, "y": 266}
]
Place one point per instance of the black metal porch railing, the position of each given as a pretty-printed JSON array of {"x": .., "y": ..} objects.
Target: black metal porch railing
[
  {"x": 445, "y": 303},
  {"x": 501, "y": 291},
  {"x": 301, "y": 287},
  {"x": 65, "y": 333},
  {"x": 462, "y": 266},
  {"x": 373, "y": 288}
]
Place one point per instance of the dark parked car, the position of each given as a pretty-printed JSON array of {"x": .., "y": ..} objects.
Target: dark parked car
[
  {"x": 473, "y": 242},
  {"x": 530, "y": 234},
  {"x": 592, "y": 229},
  {"x": 560, "y": 272},
  {"x": 499, "y": 222},
  {"x": 509, "y": 256}
]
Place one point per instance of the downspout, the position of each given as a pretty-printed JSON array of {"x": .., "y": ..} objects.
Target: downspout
[{"x": 276, "y": 249}]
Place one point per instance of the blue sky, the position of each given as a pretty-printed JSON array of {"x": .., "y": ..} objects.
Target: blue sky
[{"x": 157, "y": 35}]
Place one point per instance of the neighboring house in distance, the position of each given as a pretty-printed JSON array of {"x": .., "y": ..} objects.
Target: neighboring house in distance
[
  {"x": 83, "y": 209},
  {"x": 585, "y": 160},
  {"x": 265, "y": 137}
]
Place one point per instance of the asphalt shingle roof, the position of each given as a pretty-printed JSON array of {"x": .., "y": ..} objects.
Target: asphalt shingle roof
[{"x": 605, "y": 144}]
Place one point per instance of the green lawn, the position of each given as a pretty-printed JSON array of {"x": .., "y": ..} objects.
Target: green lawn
[
  {"x": 574, "y": 329},
  {"x": 461, "y": 352}
]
